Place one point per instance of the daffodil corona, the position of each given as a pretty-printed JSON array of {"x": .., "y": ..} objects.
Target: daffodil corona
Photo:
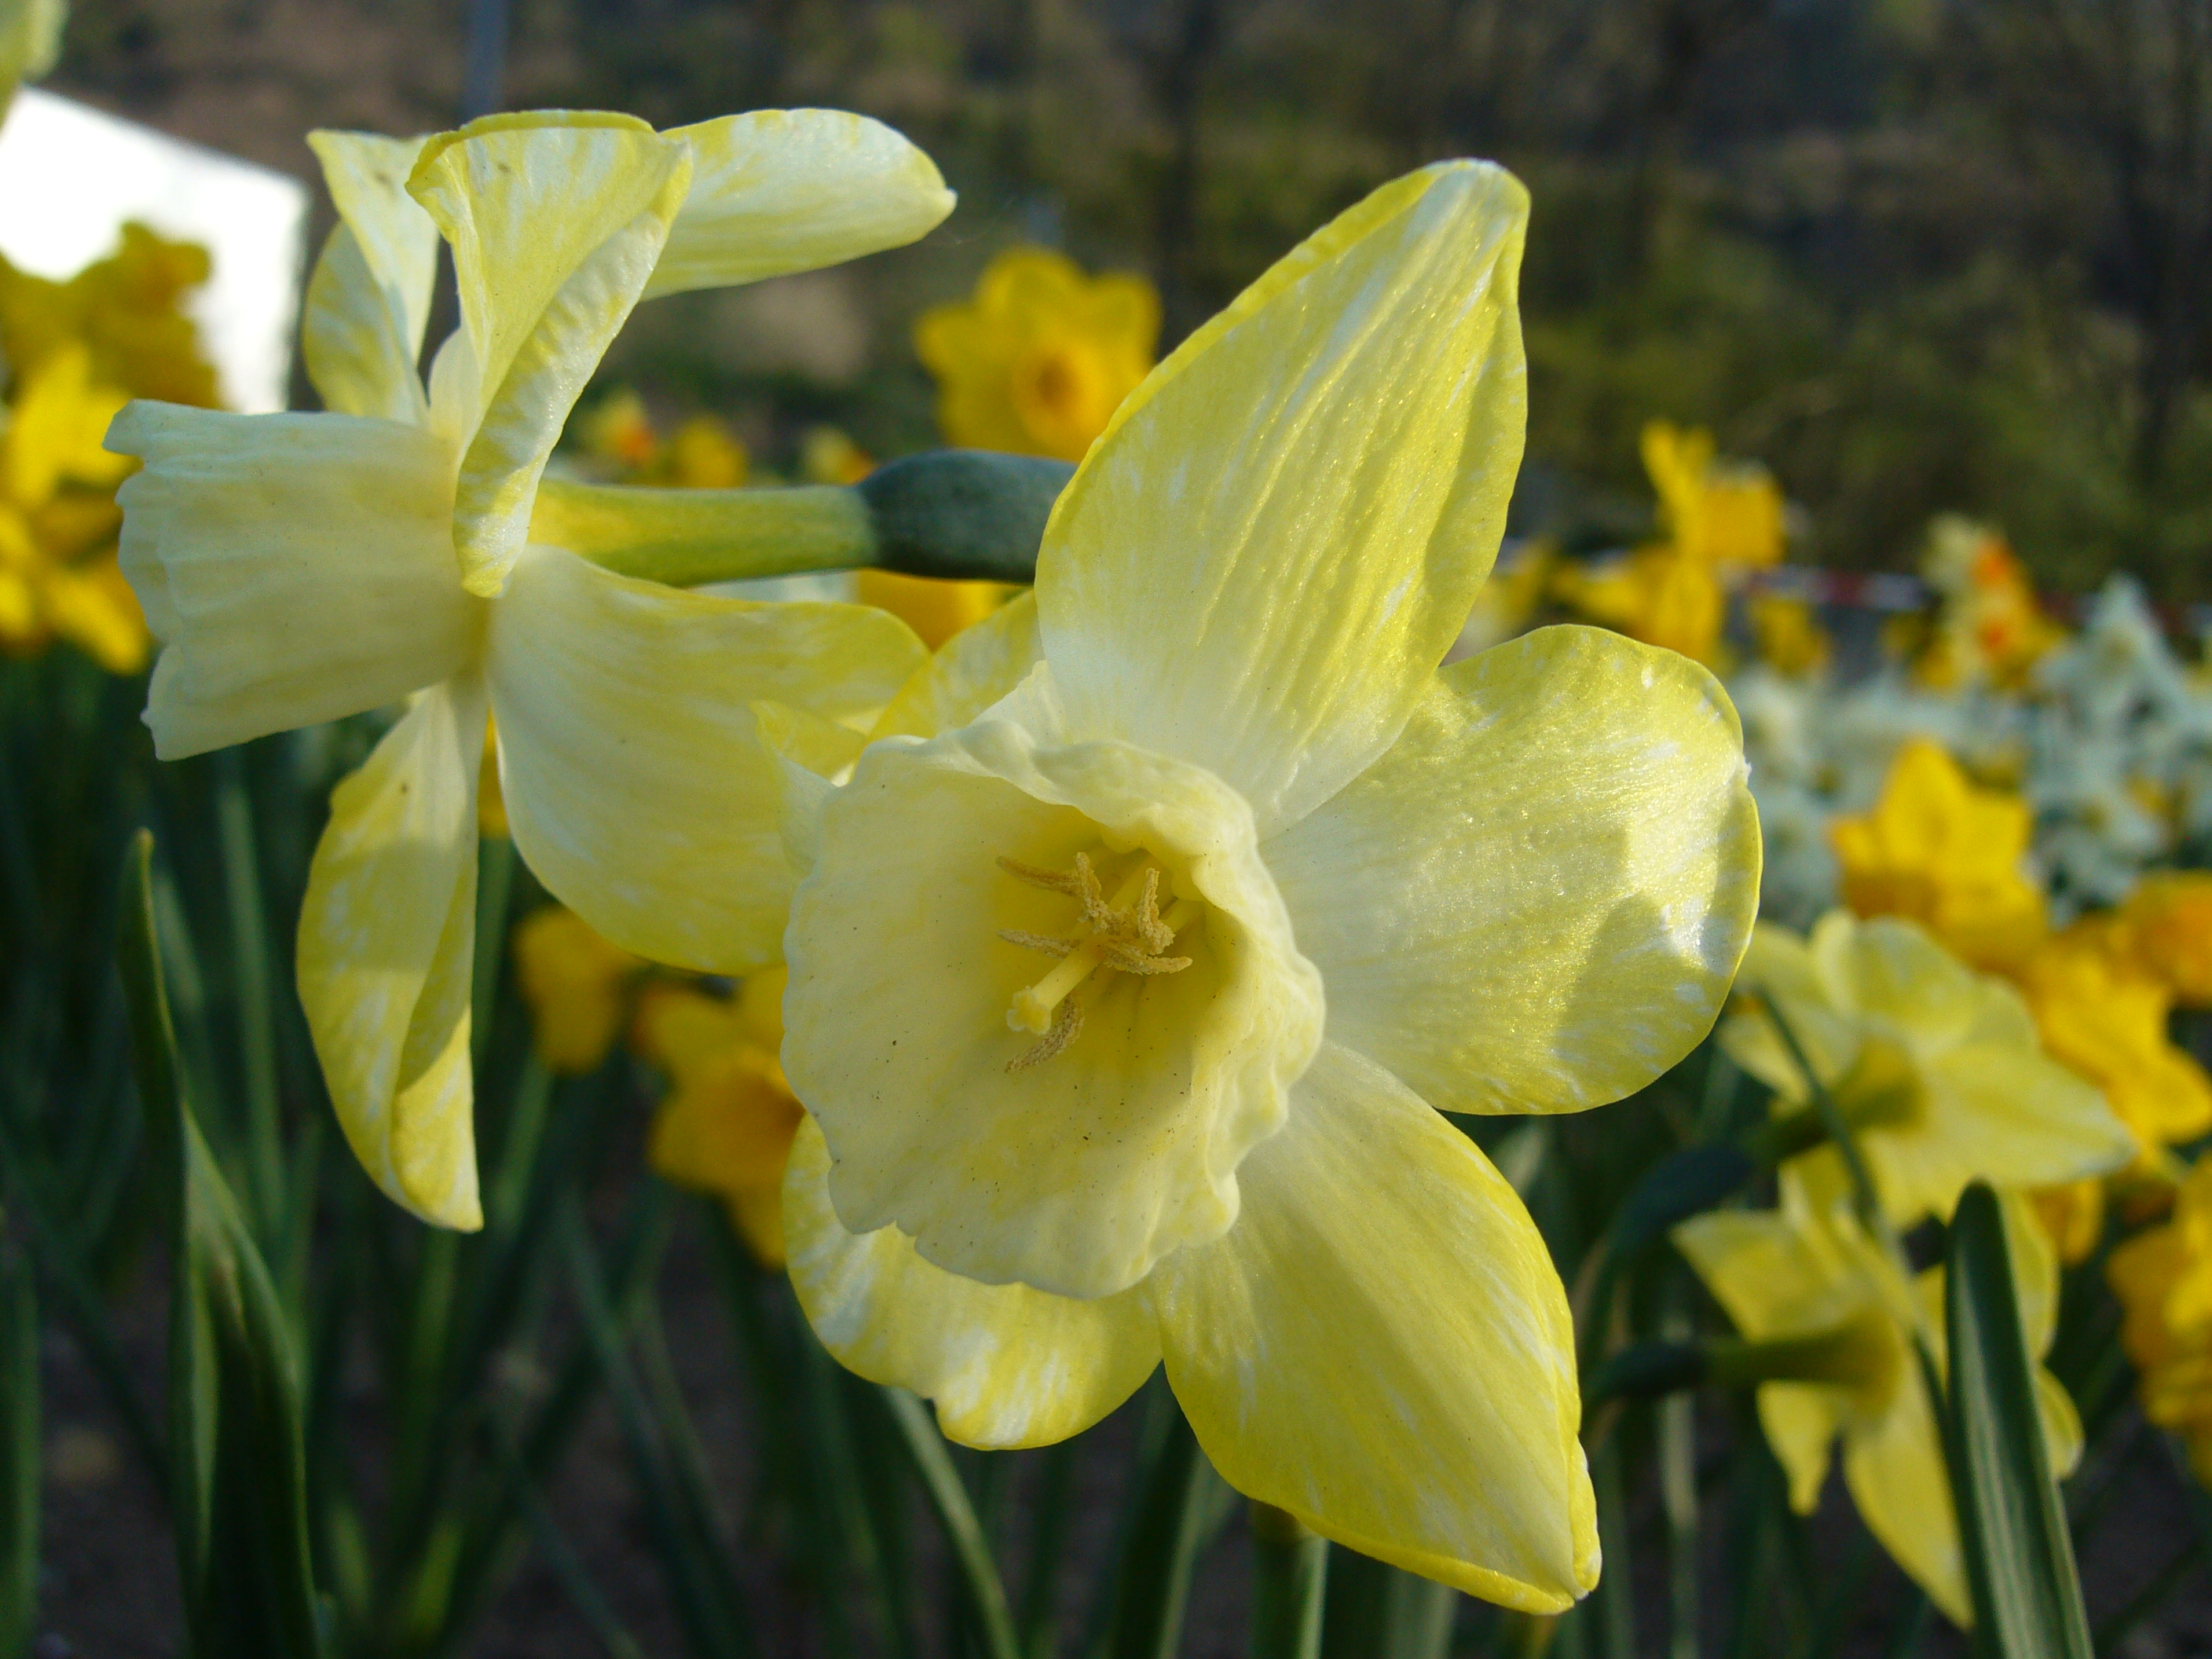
[
  {"x": 301, "y": 568},
  {"x": 1130, "y": 963}
]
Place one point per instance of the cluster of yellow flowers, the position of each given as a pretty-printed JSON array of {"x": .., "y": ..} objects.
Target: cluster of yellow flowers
[
  {"x": 1130, "y": 943},
  {"x": 76, "y": 351}
]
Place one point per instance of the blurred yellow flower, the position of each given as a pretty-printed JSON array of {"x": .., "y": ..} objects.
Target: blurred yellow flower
[
  {"x": 126, "y": 311},
  {"x": 1063, "y": 945},
  {"x": 1655, "y": 594},
  {"x": 2163, "y": 1278},
  {"x": 1949, "y": 855},
  {"x": 726, "y": 1123},
  {"x": 2169, "y": 918},
  {"x": 1726, "y": 516},
  {"x": 2105, "y": 1016},
  {"x": 935, "y": 610},
  {"x": 827, "y": 455},
  {"x": 1789, "y": 638},
  {"x": 1038, "y": 359},
  {"x": 58, "y": 577},
  {"x": 1808, "y": 1276},
  {"x": 576, "y": 985},
  {"x": 2073, "y": 1215},
  {"x": 701, "y": 453},
  {"x": 1990, "y": 630},
  {"x": 1935, "y": 1066}
]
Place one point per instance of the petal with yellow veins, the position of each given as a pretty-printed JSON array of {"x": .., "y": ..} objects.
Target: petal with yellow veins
[
  {"x": 633, "y": 784},
  {"x": 369, "y": 299},
  {"x": 555, "y": 222},
  {"x": 1006, "y": 1365},
  {"x": 970, "y": 671},
  {"x": 300, "y": 567},
  {"x": 1382, "y": 1346},
  {"x": 775, "y": 192},
  {"x": 386, "y": 950},
  {"x": 1536, "y": 900},
  {"x": 1272, "y": 604}
]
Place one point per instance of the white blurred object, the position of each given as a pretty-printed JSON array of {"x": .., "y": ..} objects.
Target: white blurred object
[{"x": 70, "y": 176}]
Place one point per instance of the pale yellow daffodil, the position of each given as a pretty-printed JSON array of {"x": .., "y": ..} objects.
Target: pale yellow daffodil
[
  {"x": 1130, "y": 964},
  {"x": 1808, "y": 1277},
  {"x": 1936, "y": 1068},
  {"x": 1947, "y": 854},
  {"x": 58, "y": 577},
  {"x": 1037, "y": 361},
  {"x": 302, "y": 567}
]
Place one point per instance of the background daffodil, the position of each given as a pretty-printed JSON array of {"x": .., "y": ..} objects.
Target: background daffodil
[
  {"x": 1039, "y": 358},
  {"x": 1809, "y": 1276},
  {"x": 305, "y": 567},
  {"x": 1125, "y": 984},
  {"x": 1936, "y": 1068}
]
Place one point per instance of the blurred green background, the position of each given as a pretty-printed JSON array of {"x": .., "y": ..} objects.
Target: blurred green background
[{"x": 1917, "y": 256}]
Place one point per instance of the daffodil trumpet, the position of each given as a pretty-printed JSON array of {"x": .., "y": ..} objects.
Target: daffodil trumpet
[{"x": 960, "y": 514}]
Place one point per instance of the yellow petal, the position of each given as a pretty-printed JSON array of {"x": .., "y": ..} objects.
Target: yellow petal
[
  {"x": 2003, "y": 1113},
  {"x": 90, "y": 605},
  {"x": 575, "y": 985},
  {"x": 633, "y": 784},
  {"x": 936, "y": 609},
  {"x": 299, "y": 567},
  {"x": 778, "y": 190},
  {"x": 970, "y": 671},
  {"x": 1380, "y": 1346},
  {"x": 1778, "y": 973},
  {"x": 555, "y": 224},
  {"x": 1802, "y": 1420},
  {"x": 1076, "y": 1174},
  {"x": 1767, "y": 1274},
  {"x": 1006, "y": 1365},
  {"x": 1262, "y": 560},
  {"x": 387, "y": 939},
  {"x": 1536, "y": 900},
  {"x": 361, "y": 328},
  {"x": 1893, "y": 1464}
]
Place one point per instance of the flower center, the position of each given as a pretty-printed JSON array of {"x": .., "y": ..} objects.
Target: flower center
[{"x": 1125, "y": 932}]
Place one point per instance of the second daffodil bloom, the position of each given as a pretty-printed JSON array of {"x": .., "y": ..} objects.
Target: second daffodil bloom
[
  {"x": 1124, "y": 990},
  {"x": 302, "y": 567},
  {"x": 1039, "y": 359},
  {"x": 1808, "y": 1277},
  {"x": 1947, "y": 854},
  {"x": 2163, "y": 1278},
  {"x": 1935, "y": 1068}
]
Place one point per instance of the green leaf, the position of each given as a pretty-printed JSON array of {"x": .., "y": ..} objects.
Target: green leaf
[
  {"x": 1151, "y": 1581},
  {"x": 2012, "y": 1524},
  {"x": 1377, "y": 1611},
  {"x": 1290, "y": 1578},
  {"x": 238, "y": 1478},
  {"x": 19, "y": 1457},
  {"x": 948, "y": 1497}
]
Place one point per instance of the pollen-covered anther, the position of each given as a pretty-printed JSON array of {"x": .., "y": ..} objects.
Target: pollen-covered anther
[{"x": 1127, "y": 933}]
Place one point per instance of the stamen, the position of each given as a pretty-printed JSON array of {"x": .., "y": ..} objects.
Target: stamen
[
  {"x": 1051, "y": 880},
  {"x": 1044, "y": 942},
  {"x": 1065, "y": 1030}
]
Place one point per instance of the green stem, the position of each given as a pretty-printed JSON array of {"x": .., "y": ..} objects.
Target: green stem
[
  {"x": 948, "y": 1497},
  {"x": 1154, "y": 1579},
  {"x": 1290, "y": 1575},
  {"x": 1865, "y": 1199},
  {"x": 250, "y": 987},
  {"x": 495, "y": 892},
  {"x": 685, "y": 537}
]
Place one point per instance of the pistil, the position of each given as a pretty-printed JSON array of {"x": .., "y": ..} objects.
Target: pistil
[{"x": 1127, "y": 933}]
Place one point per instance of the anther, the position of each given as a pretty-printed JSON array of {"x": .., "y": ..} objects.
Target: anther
[{"x": 1066, "y": 1028}]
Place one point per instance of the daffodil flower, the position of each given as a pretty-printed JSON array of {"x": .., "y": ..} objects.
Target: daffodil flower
[
  {"x": 1131, "y": 961},
  {"x": 1806, "y": 1279},
  {"x": 1946, "y": 854},
  {"x": 1936, "y": 1068},
  {"x": 1036, "y": 361},
  {"x": 576, "y": 986},
  {"x": 301, "y": 568},
  {"x": 2163, "y": 1278}
]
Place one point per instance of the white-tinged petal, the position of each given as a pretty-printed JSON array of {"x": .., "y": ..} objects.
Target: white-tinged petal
[
  {"x": 1382, "y": 1346},
  {"x": 1006, "y": 1365},
  {"x": 299, "y": 567},
  {"x": 1260, "y": 562},
  {"x": 634, "y": 782},
  {"x": 387, "y": 951},
  {"x": 1536, "y": 900},
  {"x": 555, "y": 222},
  {"x": 776, "y": 191},
  {"x": 369, "y": 299}
]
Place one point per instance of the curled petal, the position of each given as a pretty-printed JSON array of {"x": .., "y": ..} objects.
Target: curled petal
[{"x": 386, "y": 952}]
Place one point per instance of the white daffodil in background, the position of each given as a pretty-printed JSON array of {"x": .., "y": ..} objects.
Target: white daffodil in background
[
  {"x": 1124, "y": 986},
  {"x": 1808, "y": 1278},
  {"x": 301, "y": 568},
  {"x": 1937, "y": 1068}
]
